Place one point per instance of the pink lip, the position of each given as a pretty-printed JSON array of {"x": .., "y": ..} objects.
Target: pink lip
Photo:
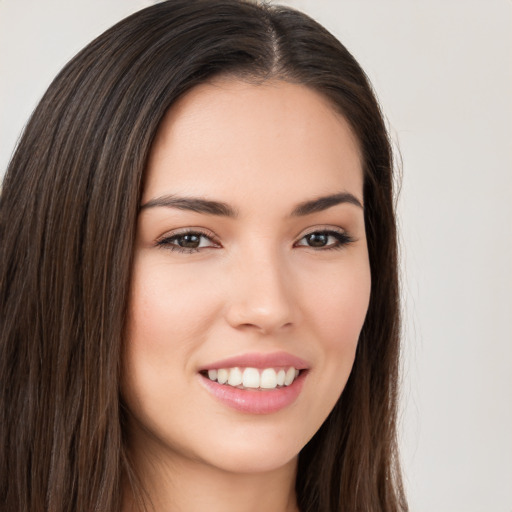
[
  {"x": 260, "y": 361},
  {"x": 254, "y": 401}
]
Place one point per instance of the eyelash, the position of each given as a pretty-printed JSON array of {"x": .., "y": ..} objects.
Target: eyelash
[
  {"x": 167, "y": 242},
  {"x": 342, "y": 240}
]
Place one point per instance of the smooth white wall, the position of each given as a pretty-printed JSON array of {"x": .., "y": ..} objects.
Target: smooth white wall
[{"x": 443, "y": 72}]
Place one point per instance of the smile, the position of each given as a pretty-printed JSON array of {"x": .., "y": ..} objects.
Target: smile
[
  {"x": 256, "y": 383},
  {"x": 254, "y": 378}
]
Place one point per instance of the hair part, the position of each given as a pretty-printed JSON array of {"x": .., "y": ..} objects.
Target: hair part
[{"x": 68, "y": 214}]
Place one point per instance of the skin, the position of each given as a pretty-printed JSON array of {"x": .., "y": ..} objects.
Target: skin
[{"x": 254, "y": 285}]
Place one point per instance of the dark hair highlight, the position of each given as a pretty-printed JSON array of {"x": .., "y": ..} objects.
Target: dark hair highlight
[{"x": 68, "y": 214}]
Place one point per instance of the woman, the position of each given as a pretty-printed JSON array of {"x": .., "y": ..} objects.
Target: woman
[{"x": 198, "y": 274}]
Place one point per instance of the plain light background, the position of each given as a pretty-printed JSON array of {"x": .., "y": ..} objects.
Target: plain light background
[{"x": 443, "y": 72}]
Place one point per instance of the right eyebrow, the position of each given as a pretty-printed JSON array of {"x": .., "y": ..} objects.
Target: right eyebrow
[
  {"x": 194, "y": 204},
  {"x": 323, "y": 203}
]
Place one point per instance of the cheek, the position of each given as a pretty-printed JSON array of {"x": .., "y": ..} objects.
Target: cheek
[
  {"x": 169, "y": 310},
  {"x": 336, "y": 316},
  {"x": 338, "y": 304},
  {"x": 168, "y": 318}
]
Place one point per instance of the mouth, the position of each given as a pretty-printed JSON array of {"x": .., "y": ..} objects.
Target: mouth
[
  {"x": 256, "y": 383},
  {"x": 253, "y": 378}
]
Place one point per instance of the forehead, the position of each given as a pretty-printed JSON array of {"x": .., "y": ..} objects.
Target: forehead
[{"x": 230, "y": 136}]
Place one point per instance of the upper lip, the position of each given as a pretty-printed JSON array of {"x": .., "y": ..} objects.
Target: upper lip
[{"x": 260, "y": 361}]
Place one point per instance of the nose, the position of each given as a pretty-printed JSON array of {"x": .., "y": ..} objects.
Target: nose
[{"x": 262, "y": 298}]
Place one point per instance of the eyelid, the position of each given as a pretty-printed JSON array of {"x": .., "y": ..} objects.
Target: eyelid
[
  {"x": 344, "y": 237},
  {"x": 322, "y": 228},
  {"x": 162, "y": 240},
  {"x": 188, "y": 230}
]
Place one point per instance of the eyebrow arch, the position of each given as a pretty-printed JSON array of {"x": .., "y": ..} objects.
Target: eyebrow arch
[
  {"x": 219, "y": 208},
  {"x": 323, "y": 203},
  {"x": 194, "y": 204}
]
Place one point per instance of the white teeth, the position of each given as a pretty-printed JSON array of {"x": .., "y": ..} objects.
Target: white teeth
[
  {"x": 268, "y": 378},
  {"x": 251, "y": 378},
  {"x": 290, "y": 376},
  {"x": 235, "y": 377},
  {"x": 222, "y": 376}
]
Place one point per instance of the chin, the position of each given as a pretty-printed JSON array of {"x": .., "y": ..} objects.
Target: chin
[
  {"x": 254, "y": 452},
  {"x": 253, "y": 461}
]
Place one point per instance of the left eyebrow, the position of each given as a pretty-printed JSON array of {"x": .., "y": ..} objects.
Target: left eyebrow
[
  {"x": 194, "y": 204},
  {"x": 323, "y": 203}
]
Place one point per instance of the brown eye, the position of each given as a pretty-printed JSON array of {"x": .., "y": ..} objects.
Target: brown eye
[
  {"x": 325, "y": 240},
  {"x": 190, "y": 241},
  {"x": 317, "y": 239}
]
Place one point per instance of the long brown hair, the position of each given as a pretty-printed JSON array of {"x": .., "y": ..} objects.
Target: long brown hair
[{"x": 68, "y": 213}]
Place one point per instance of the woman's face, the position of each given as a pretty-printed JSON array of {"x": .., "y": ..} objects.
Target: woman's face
[{"x": 250, "y": 265}]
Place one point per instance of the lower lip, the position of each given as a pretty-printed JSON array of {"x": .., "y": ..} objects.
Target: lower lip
[{"x": 255, "y": 401}]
